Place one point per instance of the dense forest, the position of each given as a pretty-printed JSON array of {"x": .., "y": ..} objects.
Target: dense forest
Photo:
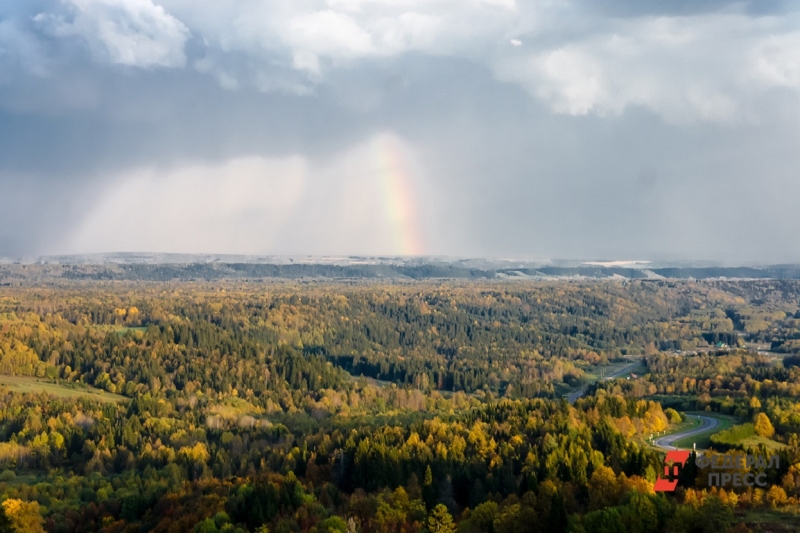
[{"x": 317, "y": 406}]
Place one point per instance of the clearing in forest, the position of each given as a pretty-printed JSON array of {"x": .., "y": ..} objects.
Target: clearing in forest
[{"x": 67, "y": 390}]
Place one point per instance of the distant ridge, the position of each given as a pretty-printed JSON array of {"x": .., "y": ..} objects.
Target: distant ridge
[{"x": 167, "y": 267}]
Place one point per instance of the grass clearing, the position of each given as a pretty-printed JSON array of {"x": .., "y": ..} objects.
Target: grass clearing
[
  {"x": 703, "y": 440},
  {"x": 119, "y": 330},
  {"x": 374, "y": 382},
  {"x": 788, "y": 517},
  {"x": 66, "y": 390},
  {"x": 686, "y": 425},
  {"x": 640, "y": 369},
  {"x": 596, "y": 373},
  {"x": 122, "y": 330},
  {"x": 769, "y": 444}
]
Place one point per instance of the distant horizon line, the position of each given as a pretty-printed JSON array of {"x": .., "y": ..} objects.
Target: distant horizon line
[{"x": 210, "y": 257}]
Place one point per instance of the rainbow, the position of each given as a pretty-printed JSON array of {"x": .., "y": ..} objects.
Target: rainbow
[{"x": 399, "y": 196}]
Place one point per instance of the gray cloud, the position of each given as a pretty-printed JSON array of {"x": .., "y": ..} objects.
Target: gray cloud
[
  {"x": 639, "y": 8},
  {"x": 134, "y": 33},
  {"x": 642, "y": 129}
]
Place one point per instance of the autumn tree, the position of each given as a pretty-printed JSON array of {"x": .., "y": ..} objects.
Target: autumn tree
[
  {"x": 6, "y": 526},
  {"x": 24, "y": 516},
  {"x": 763, "y": 426},
  {"x": 440, "y": 520}
]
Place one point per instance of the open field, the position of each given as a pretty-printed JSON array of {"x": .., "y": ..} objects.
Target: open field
[
  {"x": 122, "y": 330},
  {"x": 33, "y": 384}
]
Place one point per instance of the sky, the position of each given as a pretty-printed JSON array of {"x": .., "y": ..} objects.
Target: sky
[{"x": 624, "y": 129}]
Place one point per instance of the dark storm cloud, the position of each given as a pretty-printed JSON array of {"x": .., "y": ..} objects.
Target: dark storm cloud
[{"x": 529, "y": 130}]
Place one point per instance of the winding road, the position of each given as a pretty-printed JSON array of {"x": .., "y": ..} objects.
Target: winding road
[
  {"x": 573, "y": 396},
  {"x": 706, "y": 424}
]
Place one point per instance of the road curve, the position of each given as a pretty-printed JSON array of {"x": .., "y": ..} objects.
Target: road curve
[
  {"x": 573, "y": 396},
  {"x": 706, "y": 423}
]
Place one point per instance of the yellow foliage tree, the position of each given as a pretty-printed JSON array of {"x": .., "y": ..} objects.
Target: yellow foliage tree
[
  {"x": 763, "y": 426},
  {"x": 24, "y": 516},
  {"x": 776, "y": 496}
]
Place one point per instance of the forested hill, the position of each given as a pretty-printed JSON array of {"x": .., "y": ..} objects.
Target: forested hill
[
  {"x": 414, "y": 407},
  {"x": 11, "y": 274}
]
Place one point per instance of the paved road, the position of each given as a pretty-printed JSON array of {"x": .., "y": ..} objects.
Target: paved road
[
  {"x": 573, "y": 396},
  {"x": 706, "y": 423}
]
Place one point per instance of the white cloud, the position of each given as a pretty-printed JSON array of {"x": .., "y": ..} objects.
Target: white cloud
[
  {"x": 712, "y": 66},
  {"x": 306, "y": 61},
  {"x": 708, "y": 68},
  {"x": 776, "y": 60},
  {"x": 208, "y": 65},
  {"x": 570, "y": 80},
  {"x": 330, "y": 33},
  {"x": 406, "y": 32},
  {"x": 347, "y": 30},
  {"x": 124, "y": 32}
]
